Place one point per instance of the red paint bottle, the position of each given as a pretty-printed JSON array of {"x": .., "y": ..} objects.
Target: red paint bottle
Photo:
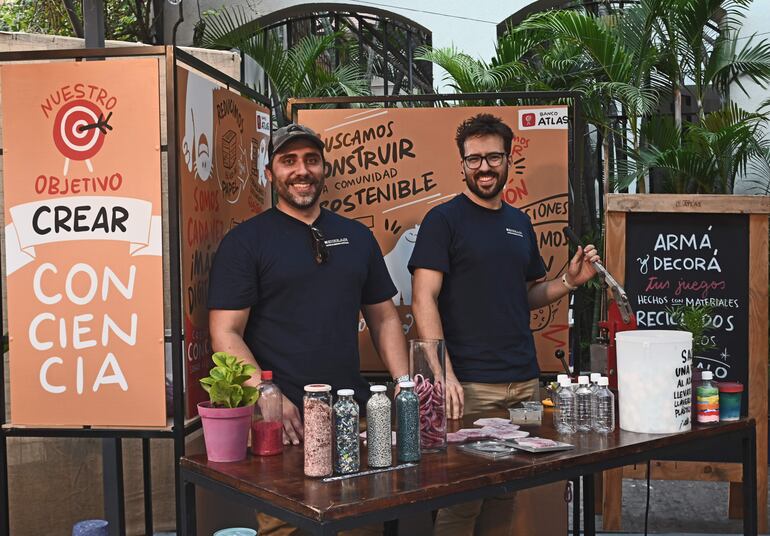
[{"x": 267, "y": 423}]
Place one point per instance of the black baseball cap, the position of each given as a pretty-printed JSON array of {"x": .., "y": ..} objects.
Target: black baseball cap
[{"x": 293, "y": 131}]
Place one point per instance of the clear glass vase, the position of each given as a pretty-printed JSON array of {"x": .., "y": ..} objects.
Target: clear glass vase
[{"x": 426, "y": 367}]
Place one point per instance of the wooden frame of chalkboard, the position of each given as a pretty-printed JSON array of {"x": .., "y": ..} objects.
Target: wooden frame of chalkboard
[{"x": 625, "y": 213}]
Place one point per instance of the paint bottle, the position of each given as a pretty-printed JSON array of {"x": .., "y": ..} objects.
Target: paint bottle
[{"x": 707, "y": 399}]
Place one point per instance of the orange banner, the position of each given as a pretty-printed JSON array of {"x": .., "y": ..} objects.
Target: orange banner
[
  {"x": 83, "y": 241},
  {"x": 224, "y": 140},
  {"x": 388, "y": 167}
]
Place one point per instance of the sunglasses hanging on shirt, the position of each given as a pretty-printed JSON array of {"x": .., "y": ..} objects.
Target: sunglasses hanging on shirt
[{"x": 320, "y": 252}]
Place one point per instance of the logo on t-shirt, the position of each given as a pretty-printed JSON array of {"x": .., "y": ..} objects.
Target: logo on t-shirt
[
  {"x": 514, "y": 232},
  {"x": 336, "y": 242}
]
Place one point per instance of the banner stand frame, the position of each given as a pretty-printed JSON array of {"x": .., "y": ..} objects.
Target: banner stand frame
[{"x": 178, "y": 428}]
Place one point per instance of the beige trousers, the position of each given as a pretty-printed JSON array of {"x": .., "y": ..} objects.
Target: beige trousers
[
  {"x": 492, "y": 516},
  {"x": 272, "y": 526}
]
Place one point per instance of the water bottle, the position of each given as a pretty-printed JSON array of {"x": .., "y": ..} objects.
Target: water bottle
[
  {"x": 604, "y": 408},
  {"x": 583, "y": 403},
  {"x": 595, "y": 381},
  {"x": 594, "y": 386},
  {"x": 565, "y": 422}
]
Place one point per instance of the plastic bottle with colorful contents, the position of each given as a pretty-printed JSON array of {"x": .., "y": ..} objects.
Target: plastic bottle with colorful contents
[
  {"x": 707, "y": 400},
  {"x": 346, "y": 426},
  {"x": 267, "y": 424}
]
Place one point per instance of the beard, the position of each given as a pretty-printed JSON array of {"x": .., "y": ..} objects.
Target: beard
[
  {"x": 300, "y": 200},
  {"x": 489, "y": 191}
]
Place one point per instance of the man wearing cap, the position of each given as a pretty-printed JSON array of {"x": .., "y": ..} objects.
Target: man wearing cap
[{"x": 287, "y": 285}]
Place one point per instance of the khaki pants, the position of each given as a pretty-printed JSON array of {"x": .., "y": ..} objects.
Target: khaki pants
[
  {"x": 492, "y": 516},
  {"x": 272, "y": 526}
]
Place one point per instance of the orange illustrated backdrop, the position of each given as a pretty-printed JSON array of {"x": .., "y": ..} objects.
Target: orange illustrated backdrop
[
  {"x": 223, "y": 141},
  {"x": 388, "y": 167},
  {"x": 83, "y": 238}
]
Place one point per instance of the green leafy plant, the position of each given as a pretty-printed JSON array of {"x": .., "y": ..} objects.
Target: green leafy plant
[
  {"x": 695, "y": 319},
  {"x": 224, "y": 383}
]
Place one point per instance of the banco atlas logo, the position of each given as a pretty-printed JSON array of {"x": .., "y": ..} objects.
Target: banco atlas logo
[
  {"x": 528, "y": 120},
  {"x": 544, "y": 118}
]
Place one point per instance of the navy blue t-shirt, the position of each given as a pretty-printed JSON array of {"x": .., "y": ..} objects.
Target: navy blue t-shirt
[
  {"x": 303, "y": 322},
  {"x": 487, "y": 257}
]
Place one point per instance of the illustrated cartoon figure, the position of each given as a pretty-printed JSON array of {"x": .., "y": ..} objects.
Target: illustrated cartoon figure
[
  {"x": 397, "y": 260},
  {"x": 540, "y": 318},
  {"x": 198, "y": 140},
  {"x": 262, "y": 161}
]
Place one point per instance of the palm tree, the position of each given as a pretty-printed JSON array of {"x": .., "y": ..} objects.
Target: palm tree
[
  {"x": 703, "y": 157},
  {"x": 301, "y": 71},
  {"x": 700, "y": 43},
  {"x": 621, "y": 49}
]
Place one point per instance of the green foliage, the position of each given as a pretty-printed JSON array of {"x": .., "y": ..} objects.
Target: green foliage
[
  {"x": 695, "y": 319},
  {"x": 301, "y": 71},
  {"x": 124, "y": 20},
  {"x": 224, "y": 383},
  {"x": 702, "y": 157},
  {"x": 625, "y": 64}
]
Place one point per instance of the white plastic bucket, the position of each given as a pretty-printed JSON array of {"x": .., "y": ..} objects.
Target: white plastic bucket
[{"x": 654, "y": 381}]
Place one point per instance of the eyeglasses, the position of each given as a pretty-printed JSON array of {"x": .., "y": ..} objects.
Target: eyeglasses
[
  {"x": 320, "y": 252},
  {"x": 473, "y": 161}
]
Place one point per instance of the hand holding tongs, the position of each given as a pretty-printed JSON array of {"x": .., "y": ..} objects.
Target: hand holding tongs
[{"x": 621, "y": 299}]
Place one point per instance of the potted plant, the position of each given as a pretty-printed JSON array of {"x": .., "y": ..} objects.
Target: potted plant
[
  {"x": 695, "y": 319},
  {"x": 226, "y": 417}
]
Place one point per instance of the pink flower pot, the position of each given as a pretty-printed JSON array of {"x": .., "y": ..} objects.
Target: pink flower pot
[{"x": 225, "y": 431}]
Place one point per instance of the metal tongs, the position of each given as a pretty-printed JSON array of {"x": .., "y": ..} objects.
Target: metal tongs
[{"x": 618, "y": 292}]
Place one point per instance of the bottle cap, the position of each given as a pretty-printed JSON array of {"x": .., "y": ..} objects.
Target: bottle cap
[
  {"x": 561, "y": 377},
  {"x": 378, "y": 388},
  {"x": 582, "y": 380},
  {"x": 318, "y": 388},
  {"x": 345, "y": 392},
  {"x": 266, "y": 375},
  {"x": 564, "y": 382},
  {"x": 406, "y": 384},
  {"x": 707, "y": 375},
  {"x": 595, "y": 377},
  {"x": 604, "y": 380}
]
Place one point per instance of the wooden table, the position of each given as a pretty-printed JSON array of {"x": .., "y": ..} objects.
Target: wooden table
[{"x": 276, "y": 485}]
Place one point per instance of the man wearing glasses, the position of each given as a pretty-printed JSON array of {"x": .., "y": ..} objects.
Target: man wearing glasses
[
  {"x": 286, "y": 286},
  {"x": 477, "y": 274}
]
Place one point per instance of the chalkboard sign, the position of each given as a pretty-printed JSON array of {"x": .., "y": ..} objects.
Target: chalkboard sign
[
  {"x": 694, "y": 259},
  {"x": 669, "y": 249}
]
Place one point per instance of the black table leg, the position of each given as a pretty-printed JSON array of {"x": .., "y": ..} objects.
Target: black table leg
[
  {"x": 189, "y": 522},
  {"x": 589, "y": 518},
  {"x": 750, "y": 483},
  {"x": 391, "y": 528},
  {"x": 576, "y": 506}
]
